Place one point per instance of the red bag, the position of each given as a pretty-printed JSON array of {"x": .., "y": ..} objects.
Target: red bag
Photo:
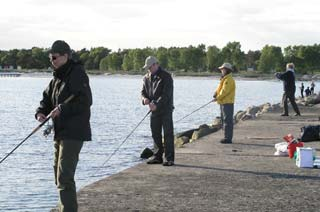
[{"x": 292, "y": 144}]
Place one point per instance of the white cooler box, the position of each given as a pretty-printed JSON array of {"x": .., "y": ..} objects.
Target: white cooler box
[{"x": 304, "y": 157}]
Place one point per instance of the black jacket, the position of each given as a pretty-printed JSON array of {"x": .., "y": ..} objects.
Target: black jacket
[
  {"x": 288, "y": 79},
  {"x": 74, "y": 120},
  {"x": 159, "y": 89}
]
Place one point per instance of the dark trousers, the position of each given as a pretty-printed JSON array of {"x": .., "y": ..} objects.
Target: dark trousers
[
  {"x": 157, "y": 123},
  {"x": 66, "y": 158},
  {"x": 292, "y": 99},
  {"x": 227, "y": 119}
]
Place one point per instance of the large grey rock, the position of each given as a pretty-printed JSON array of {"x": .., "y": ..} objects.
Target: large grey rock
[
  {"x": 266, "y": 108},
  {"x": 203, "y": 131},
  {"x": 187, "y": 133},
  {"x": 217, "y": 121},
  {"x": 238, "y": 116},
  {"x": 312, "y": 100},
  {"x": 252, "y": 110},
  {"x": 179, "y": 142},
  {"x": 247, "y": 117}
]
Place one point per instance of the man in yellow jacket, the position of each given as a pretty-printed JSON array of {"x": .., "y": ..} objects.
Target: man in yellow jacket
[{"x": 224, "y": 96}]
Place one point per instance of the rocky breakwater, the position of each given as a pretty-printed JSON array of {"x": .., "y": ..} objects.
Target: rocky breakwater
[
  {"x": 250, "y": 113},
  {"x": 205, "y": 129},
  {"x": 309, "y": 100}
]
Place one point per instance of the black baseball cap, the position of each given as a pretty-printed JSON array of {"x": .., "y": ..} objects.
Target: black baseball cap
[{"x": 60, "y": 47}]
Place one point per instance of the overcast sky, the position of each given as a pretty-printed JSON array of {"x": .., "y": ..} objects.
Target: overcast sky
[{"x": 148, "y": 23}]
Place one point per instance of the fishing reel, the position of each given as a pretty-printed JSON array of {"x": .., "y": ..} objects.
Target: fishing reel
[{"x": 47, "y": 131}]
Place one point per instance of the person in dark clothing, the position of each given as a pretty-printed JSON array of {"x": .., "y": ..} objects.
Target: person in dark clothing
[
  {"x": 312, "y": 87},
  {"x": 71, "y": 119},
  {"x": 302, "y": 89},
  {"x": 157, "y": 93},
  {"x": 289, "y": 86},
  {"x": 308, "y": 91}
]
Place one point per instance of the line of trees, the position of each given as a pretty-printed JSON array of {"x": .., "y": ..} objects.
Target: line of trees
[{"x": 192, "y": 58}]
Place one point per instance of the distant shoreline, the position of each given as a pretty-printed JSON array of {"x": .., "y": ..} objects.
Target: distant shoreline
[{"x": 243, "y": 75}]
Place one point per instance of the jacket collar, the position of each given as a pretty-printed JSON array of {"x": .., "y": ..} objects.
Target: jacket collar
[
  {"x": 62, "y": 71},
  {"x": 155, "y": 75},
  {"x": 226, "y": 76}
]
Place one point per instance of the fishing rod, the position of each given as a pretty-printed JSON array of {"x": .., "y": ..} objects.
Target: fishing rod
[
  {"x": 195, "y": 111},
  {"x": 34, "y": 131},
  {"x": 110, "y": 156}
]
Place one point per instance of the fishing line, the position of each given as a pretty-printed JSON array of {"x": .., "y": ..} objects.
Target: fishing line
[
  {"x": 113, "y": 153},
  {"x": 194, "y": 111},
  {"x": 33, "y": 131}
]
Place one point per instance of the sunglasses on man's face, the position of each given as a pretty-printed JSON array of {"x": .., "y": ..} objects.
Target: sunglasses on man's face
[{"x": 52, "y": 58}]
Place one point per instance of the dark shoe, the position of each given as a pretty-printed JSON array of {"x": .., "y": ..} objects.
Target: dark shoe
[
  {"x": 297, "y": 114},
  {"x": 284, "y": 114},
  {"x": 168, "y": 163},
  {"x": 225, "y": 141},
  {"x": 155, "y": 161}
]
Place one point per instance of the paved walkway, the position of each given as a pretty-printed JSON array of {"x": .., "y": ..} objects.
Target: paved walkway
[{"x": 209, "y": 176}]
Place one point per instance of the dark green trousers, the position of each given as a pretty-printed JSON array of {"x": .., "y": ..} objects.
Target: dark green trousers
[
  {"x": 157, "y": 123},
  {"x": 66, "y": 158}
]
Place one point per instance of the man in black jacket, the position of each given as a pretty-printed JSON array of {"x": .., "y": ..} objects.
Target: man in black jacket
[
  {"x": 71, "y": 119},
  {"x": 157, "y": 93},
  {"x": 289, "y": 87}
]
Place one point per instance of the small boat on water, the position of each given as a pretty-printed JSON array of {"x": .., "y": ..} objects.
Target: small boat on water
[{"x": 10, "y": 74}]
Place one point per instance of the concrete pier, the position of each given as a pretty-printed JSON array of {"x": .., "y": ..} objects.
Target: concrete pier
[{"x": 209, "y": 176}]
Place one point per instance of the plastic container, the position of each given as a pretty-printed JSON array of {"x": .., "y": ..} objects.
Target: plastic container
[{"x": 305, "y": 157}]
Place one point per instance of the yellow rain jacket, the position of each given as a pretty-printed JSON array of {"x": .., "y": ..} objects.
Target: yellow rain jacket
[{"x": 226, "y": 90}]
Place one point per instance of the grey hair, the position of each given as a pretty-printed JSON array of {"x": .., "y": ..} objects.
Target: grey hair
[{"x": 290, "y": 66}]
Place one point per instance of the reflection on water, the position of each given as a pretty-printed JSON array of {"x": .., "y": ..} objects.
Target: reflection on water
[{"x": 26, "y": 177}]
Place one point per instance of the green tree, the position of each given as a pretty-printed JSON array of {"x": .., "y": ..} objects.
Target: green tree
[
  {"x": 25, "y": 59},
  {"x": 214, "y": 59},
  {"x": 9, "y": 58},
  {"x": 193, "y": 58},
  {"x": 40, "y": 58},
  {"x": 139, "y": 56},
  {"x": 310, "y": 56},
  {"x": 127, "y": 63},
  {"x": 252, "y": 58},
  {"x": 162, "y": 56},
  {"x": 174, "y": 59},
  {"x": 111, "y": 62},
  {"x": 232, "y": 53},
  {"x": 291, "y": 55},
  {"x": 95, "y": 55},
  {"x": 271, "y": 59}
]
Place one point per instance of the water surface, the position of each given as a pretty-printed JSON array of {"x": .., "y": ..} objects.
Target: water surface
[{"x": 26, "y": 177}]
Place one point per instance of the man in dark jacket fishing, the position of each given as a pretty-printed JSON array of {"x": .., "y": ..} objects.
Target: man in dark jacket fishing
[
  {"x": 289, "y": 87},
  {"x": 71, "y": 119},
  {"x": 157, "y": 93}
]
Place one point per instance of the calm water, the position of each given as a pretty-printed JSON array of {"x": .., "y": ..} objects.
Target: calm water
[{"x": 26, "y": 179}]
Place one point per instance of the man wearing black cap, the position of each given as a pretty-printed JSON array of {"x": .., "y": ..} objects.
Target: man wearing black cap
[
  {"x": 71, "y": 119},
  {"x": 157, "y": 93}
]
